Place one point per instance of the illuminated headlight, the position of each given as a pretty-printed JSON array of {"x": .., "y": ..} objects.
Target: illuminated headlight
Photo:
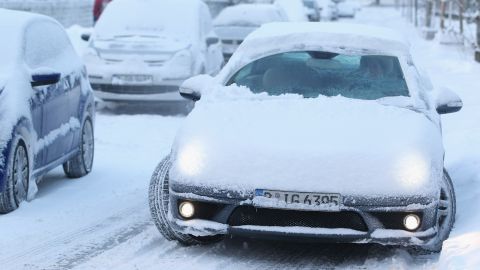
[
  {"x": 411, "y": 222},
  {"x": 186, "y": 210},
  {"x": 412, "y": 170},
  {"x": 191, "y": 158}
]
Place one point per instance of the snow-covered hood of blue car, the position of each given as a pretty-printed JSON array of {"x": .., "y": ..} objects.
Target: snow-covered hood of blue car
[{"x": 334, "y": 145}]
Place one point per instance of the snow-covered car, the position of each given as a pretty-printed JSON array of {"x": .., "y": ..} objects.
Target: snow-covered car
[
  {"x": 312, "y": 10},
  {"x": 312, "y": 130},
  {"x": 46, "y": 106},
  {"x": 346, "y": 9},
  {"x": 143, "y": 50},
  {"x": 234, "y": 23},
  {"x": 294, "y": 9},
  {"x": 328, "y": 10}
]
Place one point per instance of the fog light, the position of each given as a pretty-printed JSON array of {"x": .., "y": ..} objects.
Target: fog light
[
  {"x": 411, "y": 222},
  {"x": 186, "y": 209}
]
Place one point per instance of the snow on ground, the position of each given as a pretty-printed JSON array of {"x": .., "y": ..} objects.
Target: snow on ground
[{"x": 102, "y": 220}]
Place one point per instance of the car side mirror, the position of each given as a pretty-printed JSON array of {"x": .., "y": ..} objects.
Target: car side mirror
[
  {"x": 212, "y": 41},
  {"x": 448, "y": 101},
  {"x": 192, "y": 88},
  {"x": 85, "y": 36},
  {"x": 45, "y": 77}
]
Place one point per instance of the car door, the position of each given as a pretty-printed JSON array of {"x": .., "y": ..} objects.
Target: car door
[{"x": 46, "y": 49}]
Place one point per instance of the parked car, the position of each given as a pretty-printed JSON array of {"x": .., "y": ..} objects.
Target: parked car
[
  {"x": 312, "y": 9},
  {"x": 294, "y": 9},
  {"x": 147, "y": 56},
  {"x": 234, "y": 23},
  {"x": 328, "y": 10},
  {"x": 47, "y": 107},
  {"x": 98, "y": 8},
  {"x": 320, "y": 131},
  {"x": 347, "y": 9}
]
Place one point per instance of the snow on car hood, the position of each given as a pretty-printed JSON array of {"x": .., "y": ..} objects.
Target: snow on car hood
[
  {"x": 351, "y": 147},
  {"x": 140, "y": 45}
]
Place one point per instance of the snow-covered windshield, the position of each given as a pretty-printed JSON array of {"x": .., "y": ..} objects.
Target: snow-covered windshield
[
  {"x": 249, "y": 15},
  {"x": 316, "y": 73},
  {"x": 158, "y": 19}
]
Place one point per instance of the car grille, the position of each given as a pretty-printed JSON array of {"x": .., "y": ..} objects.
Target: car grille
[
  {"x": 248, "y": 215},
  {"x": 134, "y": 89}
]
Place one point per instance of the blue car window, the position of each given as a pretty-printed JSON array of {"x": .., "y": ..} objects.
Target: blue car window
[{"x": 316, "y": 73}]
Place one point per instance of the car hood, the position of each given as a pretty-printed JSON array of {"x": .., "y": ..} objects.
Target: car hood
[{"x": 334, "y": 145}]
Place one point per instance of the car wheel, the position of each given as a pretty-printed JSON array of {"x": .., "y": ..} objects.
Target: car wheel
[
  {"x": 446, "y": 217},
  {"x": 16, "y": 186},
  {"x": 82, "y": 163},
  {"x": 159, "y": 199}
]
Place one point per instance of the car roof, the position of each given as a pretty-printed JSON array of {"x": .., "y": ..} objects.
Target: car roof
[
  {"x": 346, "y": 35},
  {"x": 12, "y": 26}
]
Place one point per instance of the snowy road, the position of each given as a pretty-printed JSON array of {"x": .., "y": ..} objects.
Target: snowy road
[{"x": 102, "y": 221}]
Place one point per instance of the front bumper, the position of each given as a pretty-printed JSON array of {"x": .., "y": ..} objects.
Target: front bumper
[
  {"x": 360, "y": 220},
  {"x": 158, "y": 87}
]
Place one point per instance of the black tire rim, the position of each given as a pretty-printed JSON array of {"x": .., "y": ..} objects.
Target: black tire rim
[
  {"x": 445, "y": 210},
  {"x": 88, "y": 145},
  {"x": 20, "y": 174}
]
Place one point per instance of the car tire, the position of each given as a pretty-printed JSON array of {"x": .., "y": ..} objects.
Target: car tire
[
  {"x": 159, "y": 206},
  {"x": 81, "y": 164},
  {"x": 446, "y": 218},
  {"x": 17, "y": 180}
]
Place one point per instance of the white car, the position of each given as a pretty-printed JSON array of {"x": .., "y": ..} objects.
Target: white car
[
  {"x": 143, "y": 50},
  {"x": 328, "y": 10},
  {"x": 312, "y": 131},
  {"x": 234, "y": 23},
  {"x": 347, "y": 9}
]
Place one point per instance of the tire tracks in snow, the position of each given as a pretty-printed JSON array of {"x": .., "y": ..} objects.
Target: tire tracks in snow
[{"x": 72, "y": 248}]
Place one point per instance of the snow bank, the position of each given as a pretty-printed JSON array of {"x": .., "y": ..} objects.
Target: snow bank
[
  {"x": 248, "y": 15},
  {"x": 329, "y": 144}
]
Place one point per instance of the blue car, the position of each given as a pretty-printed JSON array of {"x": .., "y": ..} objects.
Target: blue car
[{"x": 46, "y": 106}]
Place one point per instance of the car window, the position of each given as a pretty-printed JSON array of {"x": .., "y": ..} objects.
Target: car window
[
  {"x": 316, "y": 73},
  {"x": 47, "y": 45}
]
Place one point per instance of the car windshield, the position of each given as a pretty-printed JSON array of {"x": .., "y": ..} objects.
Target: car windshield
[
  {"x": 159, "y": 19},
  {"x": 316, "y": 73}
]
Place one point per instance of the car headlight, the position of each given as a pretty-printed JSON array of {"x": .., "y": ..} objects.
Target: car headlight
[
  {"x": 412, "y": 170},
  {"x": 191, "y": 158},
  {"x": 180, "y": 66},
  {"x": 91, "y": 53}
]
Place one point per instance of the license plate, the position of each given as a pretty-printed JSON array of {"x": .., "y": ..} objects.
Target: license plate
[
  {"x": 132, "y": 79},
  {"x": 307, "y": 200}
]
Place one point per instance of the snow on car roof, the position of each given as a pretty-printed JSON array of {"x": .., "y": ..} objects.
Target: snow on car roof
[
  {"x": 344, "y": 33},
  {"x": 248, "y": 14}
]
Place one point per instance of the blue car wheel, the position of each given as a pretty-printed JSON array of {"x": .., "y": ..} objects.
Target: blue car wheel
[{"x": 82, "y": 163}]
